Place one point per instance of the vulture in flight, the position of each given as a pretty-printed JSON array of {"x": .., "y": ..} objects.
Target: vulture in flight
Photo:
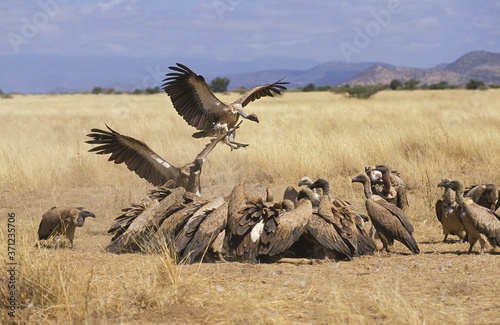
[
  {"x": 195, "y": 102},
  {"x": 448, "y": 213},
  {"x": 481, "y": 223},
  {"x": 139, "y": 158},
  {"x": 62, "y": 222},
  {"x": 389, "y": 220}
]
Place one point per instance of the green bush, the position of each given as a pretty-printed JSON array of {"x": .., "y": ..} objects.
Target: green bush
[
  {"x": 396, "y": 84},
  {"x": 96, "y": 90},
  {"x": 309, "y": 87},
  {"x": 219, "y": 84},
  {"x": 475, "y": 84},
  {"x": 362, "y": 91}
]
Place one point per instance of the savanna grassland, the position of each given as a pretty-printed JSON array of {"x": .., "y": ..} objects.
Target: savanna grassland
[{"x": 425, "y": 135}]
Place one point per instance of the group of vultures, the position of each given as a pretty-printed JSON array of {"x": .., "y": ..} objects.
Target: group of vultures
[{"x": 308, "y": 223}]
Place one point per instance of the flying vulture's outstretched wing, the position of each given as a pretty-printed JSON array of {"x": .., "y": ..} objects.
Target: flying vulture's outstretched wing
[{"x": 136, "y": 155}]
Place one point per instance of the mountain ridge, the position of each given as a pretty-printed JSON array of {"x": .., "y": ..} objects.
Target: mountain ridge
[
  {"x": 58, "y": 74},
  {"x": 478, "y": 65}
]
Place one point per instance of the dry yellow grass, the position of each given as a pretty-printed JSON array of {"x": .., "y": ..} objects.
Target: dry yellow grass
[{"x": 426, "y": 135}]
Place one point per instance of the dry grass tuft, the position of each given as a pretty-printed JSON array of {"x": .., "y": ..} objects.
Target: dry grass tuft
[{"x": 425, "y": 135}]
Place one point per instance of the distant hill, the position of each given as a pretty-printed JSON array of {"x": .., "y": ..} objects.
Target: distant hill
[
  {"x": 51, "y": 73},
  {"x": 479, "y": 65},
  {"x": 331, "y": 73}
]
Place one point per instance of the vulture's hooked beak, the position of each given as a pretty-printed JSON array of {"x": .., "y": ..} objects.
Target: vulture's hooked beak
[{"x": 89, "y": 214}]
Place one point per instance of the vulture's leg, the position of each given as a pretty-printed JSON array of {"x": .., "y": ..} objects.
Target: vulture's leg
[
  {"x": 230, "y": 136},
  {"x": 221, "y": 258}
]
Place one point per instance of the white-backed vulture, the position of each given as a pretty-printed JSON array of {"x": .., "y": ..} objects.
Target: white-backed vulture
[
  {"x": 174, "y": 223},
  {"x": 250, "y": 210},
  {"x": 448, "y": 213},
  {"x": 291, "y": 193},
  {"x": 139, "y": 158},
  {"x": 389, "y": 220},
  {"x": 62, "y": 222},
  {"x": 203, "y": 230},
  {"x": 393, "y": 188},
  {"x": 200, "y": 108},
  {"x": 348, "y": 222},
  {"x": 266, "y": 230},
  {"x": 481, "y": 223},
  {"x": 136, "y": 229},
  {"x": 485, "y": 195}
]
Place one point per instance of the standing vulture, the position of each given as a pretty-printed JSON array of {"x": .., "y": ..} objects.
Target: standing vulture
[
  {"x": 139, "y": 158},
  {"x": 448, "y": 213},
  {"x": 389, "y": 220},
  {"x": 393, "y": 187},
  {"x": 62, "y": 221},
  {"x": 195, "y": 102},
  {"x": 481, "y": 223},
  {"x": 486, "y": 195},
  {"x": 347, "y": 218}
]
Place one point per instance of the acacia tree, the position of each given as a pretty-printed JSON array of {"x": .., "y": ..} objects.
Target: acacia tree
[
  {"x": 411, "y": 84},
  {"x": 474, "y": 84},
  {"x": 219, "y": 84},
  {"x": 396, "y": 84}
]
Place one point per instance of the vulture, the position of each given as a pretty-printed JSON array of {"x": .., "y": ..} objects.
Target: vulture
[
  {"x": 481, "y": 223},
  {"x": 389, "y": 220},
  {"x": 291, "y": 193},
  {"x": 251, "y": 212},
  {"x": 485, "y": 195},
  {"x": 139, "y": 158},
  {"x": 170, "y": 217},
  {"x": 265, "y": 230},
  {"x": 393, "y": 187},
  {"x": 348, "y": 218},
  {"x": 135, "y": 230},
  {"x": 338, "y": 230},
  {"x": 448, "y": 213},
  {"x": 199, "y": 107},
  {"x": 203, "y": 229},
  {"x": 62, "y": 222}
]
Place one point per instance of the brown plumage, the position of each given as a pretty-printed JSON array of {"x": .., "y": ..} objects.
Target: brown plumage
[
  {"x": 135, "y": 230},
  {"x": 174, "y": 223},
  {"x": 200, "y": 108},
  {"x": 392, "y": 189},
  {"x": 346, "y": 218},
  {"x": 486, "y": 195},
  {"x": 389, "y": 220},
  {"x": 291, "y": 193},
  {"x": 266, "y": 230},
  {"x": 250, "y": 211},
  {"x": 139, "y": 158},
  {"x": 62, "y": 222},
  {"x": 448, "y": 213},
  {"x": 481, "y": 223},
  {"x": 203, "y": 230}
]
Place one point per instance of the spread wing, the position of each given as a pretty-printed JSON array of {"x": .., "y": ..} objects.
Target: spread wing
[
  {"x": 136, "y": 155},
  {"x": 262, "y": 91},
  {"x": 192, "y": 98}
]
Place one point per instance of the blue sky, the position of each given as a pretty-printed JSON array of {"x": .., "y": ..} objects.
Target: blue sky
[{"x": 275, "y": 34}]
